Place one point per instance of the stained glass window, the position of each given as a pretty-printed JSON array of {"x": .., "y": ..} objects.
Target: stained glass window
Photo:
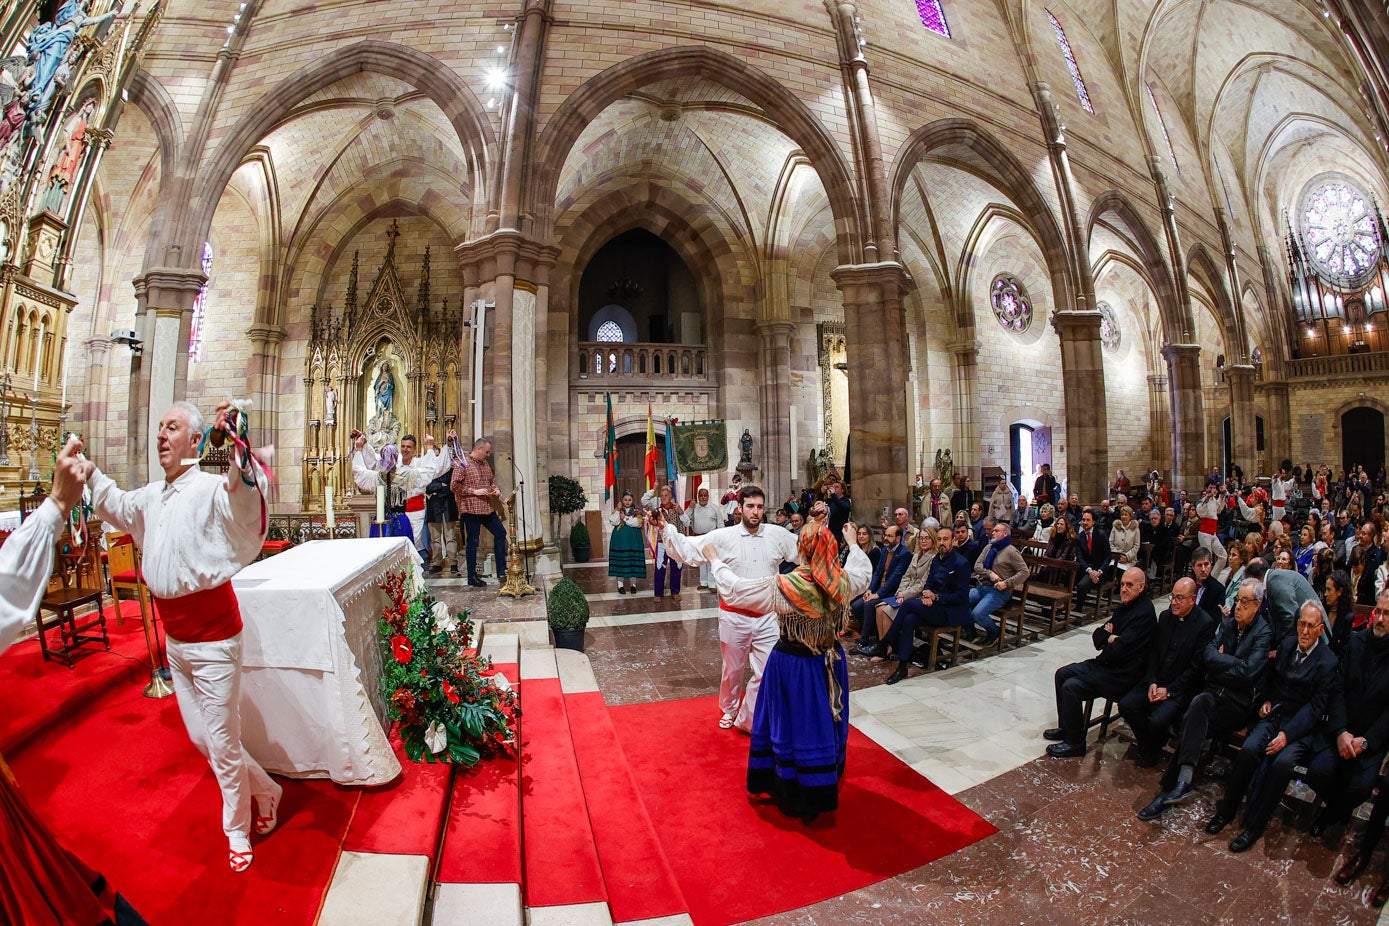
[
  {"x": 610, "y": 332},
  {"x": 1012, "y": 308},
  {"x": 195, "y": 334},
  {"x": 1338, "y": 229},
  {"x": 933, "y": 16},
  {"x": 1071, "y": 63},
  {"x": 1111, "y": 338},
  {"x": 1162, "y": 124}
]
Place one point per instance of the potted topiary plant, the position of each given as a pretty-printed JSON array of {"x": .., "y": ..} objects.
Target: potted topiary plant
[
  {"x": 566, "y": 497},
  {"x": 579, "y": 544},
  {"x": 567, "y": 610}
]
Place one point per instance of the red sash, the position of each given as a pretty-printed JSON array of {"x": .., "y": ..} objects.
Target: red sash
[
  {"x": 1209, "y": 525},
  {"x": 414, "y": 503},
  {"x": 743, "y": 611},
  {"x": 201, "y": 617}
]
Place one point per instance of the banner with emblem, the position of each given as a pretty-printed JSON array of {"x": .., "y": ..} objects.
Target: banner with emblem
[{"x": 701, "y": 446}]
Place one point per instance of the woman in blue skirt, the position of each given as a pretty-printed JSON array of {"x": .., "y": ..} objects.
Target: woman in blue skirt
[
  {"x": 626, "y": 552},
  {"x": 800, "y": 727}
]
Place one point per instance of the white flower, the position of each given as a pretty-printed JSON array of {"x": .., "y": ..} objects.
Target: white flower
[
  {"x": 436, "y": 737},
  {"x": 444, "y": 622},
  {"x": 501, "y": 682}
]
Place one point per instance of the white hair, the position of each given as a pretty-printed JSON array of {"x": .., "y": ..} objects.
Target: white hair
[
  {"x": 1254, "y": 587},
  {"x": 191, "y": 415}
]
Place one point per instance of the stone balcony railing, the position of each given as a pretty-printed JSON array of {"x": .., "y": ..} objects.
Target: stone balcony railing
[
  {"x": 684, "y": 363},
  {"x": 1338, "y": 365}
]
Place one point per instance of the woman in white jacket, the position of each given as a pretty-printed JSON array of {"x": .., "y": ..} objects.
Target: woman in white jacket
[{"x": 1125, "y": 538}]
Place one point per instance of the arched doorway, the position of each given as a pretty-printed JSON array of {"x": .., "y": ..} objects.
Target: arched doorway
[
  {"x": 637, "y": 284},
  {"x": 1362, "y": 439},
  {"x": 1226, "y": 458},
  {"x": 631, "y": 464},
  {"x": 1029, "y": 446}
]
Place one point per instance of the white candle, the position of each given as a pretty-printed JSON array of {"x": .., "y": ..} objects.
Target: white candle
[
  {"x": 328, "y": 507},
  {"x": 380, "y": 504}
]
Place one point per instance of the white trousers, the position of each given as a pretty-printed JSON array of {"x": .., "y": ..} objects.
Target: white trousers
[
  {"x": 417, "y": 526},
  {"x": 207, "y": 685},
  {"x": 743, "y": 641},
  {"x": 1212, "y": 542}
]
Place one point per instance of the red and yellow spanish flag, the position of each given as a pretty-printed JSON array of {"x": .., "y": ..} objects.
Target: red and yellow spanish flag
[{"x": 650, "y": 449}]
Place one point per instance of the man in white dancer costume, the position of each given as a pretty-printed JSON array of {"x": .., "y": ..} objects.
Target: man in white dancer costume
[
  {"x": 413, "y": 474},
  {"x": 752, "y": 550},
  {"x": 197, "y": 530}
]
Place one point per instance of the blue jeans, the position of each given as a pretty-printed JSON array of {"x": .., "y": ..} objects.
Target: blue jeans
[
  {"x": 473, "y": 525},
  {"x": 984, "y": 600}
]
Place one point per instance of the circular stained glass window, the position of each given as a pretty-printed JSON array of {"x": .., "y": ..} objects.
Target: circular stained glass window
[
  {"x": 1012, "y": 308},
  {"x": 1111, "y": 338},
  {"x": 1339, "y": 229},
  {"x": 610, "y": 332}
]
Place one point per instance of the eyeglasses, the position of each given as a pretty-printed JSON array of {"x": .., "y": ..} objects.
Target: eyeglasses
[
  {"x": 1240, "y": 599},
  {"x": 1186, "y": 598}
]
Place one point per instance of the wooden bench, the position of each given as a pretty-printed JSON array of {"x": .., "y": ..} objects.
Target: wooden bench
[
  {"x": 1105, "y": 719},
  {"x": 1052, "y": 588}
]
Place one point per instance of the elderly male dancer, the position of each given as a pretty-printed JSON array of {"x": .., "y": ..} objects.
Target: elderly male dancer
[
  {"x": 752, "y": 550},
  {"x": 197, "y": 530},
  {"x": 41, "y": 882},
  {"x": 699, "y": 519}
]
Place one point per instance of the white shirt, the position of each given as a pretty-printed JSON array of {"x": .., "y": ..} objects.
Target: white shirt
[
  {"x": 750, "y": 556},
  {"x": 413, "y": 477},
  {"x": 1281, "y": 488},
  {"x": 194, "y": 533},
  {"x": 26, "y": 563},
  {"x": 1210, "y": 508},
  {"x": 761, "y": 594},
  {"x": 701, "y": 519}
]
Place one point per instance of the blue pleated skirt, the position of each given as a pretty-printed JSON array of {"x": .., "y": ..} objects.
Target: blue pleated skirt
[{"x": 798, "y": 748}]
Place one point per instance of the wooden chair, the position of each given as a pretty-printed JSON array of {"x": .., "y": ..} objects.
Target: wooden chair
[
  {"x": 933, "y": 637},
  {"x": 127, "y": 584},
  {"x": 1052, "y": 588},
  {"x": 63, "y": 604},
  {"x": 1103, "y": 595},
  {"x": 29, "y": 503}
]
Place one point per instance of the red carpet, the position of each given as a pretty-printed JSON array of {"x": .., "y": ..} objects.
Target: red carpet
[
  {"x": 406, "y": 816},
  {"x": 560, "y": 859},
  {"x": 736, "y": 860},
  {"x": 127, "y": 792},
  {"x": 636, "y": 874},
  {"x": 34, "y": 694}
]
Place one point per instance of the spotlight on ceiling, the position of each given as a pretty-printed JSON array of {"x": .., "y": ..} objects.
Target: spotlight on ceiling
[{"x": 496, "y": 78}]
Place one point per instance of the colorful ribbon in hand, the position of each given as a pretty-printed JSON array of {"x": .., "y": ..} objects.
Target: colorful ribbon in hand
[{"x": 239, "y": 434}]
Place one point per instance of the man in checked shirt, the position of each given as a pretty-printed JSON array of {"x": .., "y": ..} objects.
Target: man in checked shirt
[{"x": 472, "y": 484}]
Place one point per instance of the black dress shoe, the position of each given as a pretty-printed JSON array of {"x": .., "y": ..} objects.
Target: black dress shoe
[
  {"x": 1245, "y": 841},
  {"x": 868, "y": 648},
  {"x": 1352, "y": 867},
  {"x": 1055, "y": 734},
  {"x": 1217, "y": 823},
  {"x": 900, "y": 673},
  {"x": 1065, "y": 751},
  {"x": 475, "y": 582}
]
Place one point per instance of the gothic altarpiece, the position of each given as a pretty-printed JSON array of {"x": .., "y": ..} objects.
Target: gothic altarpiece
[{"x": 385, "y": 365}]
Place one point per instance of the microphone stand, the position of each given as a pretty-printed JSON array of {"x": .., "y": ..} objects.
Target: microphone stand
[{"x": 521, "y": 484}]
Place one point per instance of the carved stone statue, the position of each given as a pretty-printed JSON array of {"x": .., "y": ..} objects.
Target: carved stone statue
[
  {"x": 431, "y": 402},
  {"x": 383, "y": 429},
  {"x": 384, "y": 390},
  {"x": 48, "y": 46},
  {"x": 945, "y": 466},
  {"x": 745, "y": 445},
  {"x": 330, "y": 405},
  {"x": 64, "y": 172}
]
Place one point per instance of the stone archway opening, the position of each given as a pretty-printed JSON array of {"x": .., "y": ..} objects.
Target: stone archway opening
[
  {"x": 1362, "y": 439},
  {"x": 640, "y": 274}
]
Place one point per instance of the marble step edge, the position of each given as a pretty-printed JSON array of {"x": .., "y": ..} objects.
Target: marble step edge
[{"x": 376, "y": 889}]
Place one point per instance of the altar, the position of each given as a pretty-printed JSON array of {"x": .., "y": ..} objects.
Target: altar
[{"x": 311, "y": 705}]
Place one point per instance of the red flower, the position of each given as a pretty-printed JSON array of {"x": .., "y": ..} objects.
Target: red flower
[
  {"x": 449, "y": 691},
  {"x": 401, "y": 649}
]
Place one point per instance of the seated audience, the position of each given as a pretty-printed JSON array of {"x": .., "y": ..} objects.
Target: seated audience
[
  {"x": 1234, "y": 573},
  {"x": 1123, "y": 643},
  {"x": 965, "y": 543},
  {"x": 1024, "y": 518},
  {"x": 1062, "y": 544},
  {"x": 1339, "y": 601},
  {"x": 913, "y": 581},
  {"x": 1284, "y": 592},
  {"x": 1355, "y": 737},
  {"x": 1232, "y": 665},
  {"x": 1000, "y": 571},
  {"x": 1157, "y": 702},
  {"x": 943, "y": 603},
  {"x": 1092, "y": 552},
  {"x": 887, "y": 575},
  {"x": 1210, "y": 594},
  {"x": 1299, "y": 692},
  {"x": 1124, "y": 539},
  {"x": 1046, "y": 520}
]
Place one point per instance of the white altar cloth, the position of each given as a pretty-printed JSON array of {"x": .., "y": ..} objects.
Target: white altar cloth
[{"x": 311, "y": 705}]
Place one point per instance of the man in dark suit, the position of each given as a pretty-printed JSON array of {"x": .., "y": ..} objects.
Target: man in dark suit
[
  {"x": 1092, "y": 550},
  {"x": 944, "y": 602},
  {"x": 1123, "y": 645},
  {"x": 1355, "y": 738},
  {"x": 965, "y": 543},
  {"x": 1174, "y": 671},
  {"x": 1303, "y": 680},
  {"x": 892, "y": 565},
  {"x": 1234, "y": 662},
  {"x": 1210, "y": 593},
  {"x": 1044, "y": 487}
]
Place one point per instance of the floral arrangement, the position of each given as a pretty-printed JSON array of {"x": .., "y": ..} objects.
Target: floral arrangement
[{"x": 445, "y": 705}]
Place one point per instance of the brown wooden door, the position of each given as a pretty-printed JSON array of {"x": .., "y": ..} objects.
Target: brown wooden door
[{"x": 631, "y": 465}]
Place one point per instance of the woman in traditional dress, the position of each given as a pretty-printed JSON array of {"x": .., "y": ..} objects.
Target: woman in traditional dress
[
  {"x": 800, "y": 727},
  {"x": 626, "y": 552}
]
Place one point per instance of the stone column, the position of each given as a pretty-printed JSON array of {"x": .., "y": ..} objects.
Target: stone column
[
  {"x": 1054, "y": 133},
  {"x": 1087, "y": 424},
  {"x": 95, "y": 388},
  {"x": 776, "y": 408},
  {"x": 1159, "y": 425},
  {"x": 876, "y": 345},
  {"x": 264, "y": 384},
  {"x": 159, "y": 373},
  {"x": 1244, "y": 444},
  {"x": 965, "y": 386},
  {"x": 520, "y": 98},
  {"x": 870, "y": 162},
  {"x": 1278, "y": 430},
  {"x": 1174, "y": 244},
  {"x": 1188, "y": 419}
]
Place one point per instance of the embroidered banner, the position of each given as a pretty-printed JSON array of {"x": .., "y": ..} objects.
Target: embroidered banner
[{"x": 701, "y": 446}]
